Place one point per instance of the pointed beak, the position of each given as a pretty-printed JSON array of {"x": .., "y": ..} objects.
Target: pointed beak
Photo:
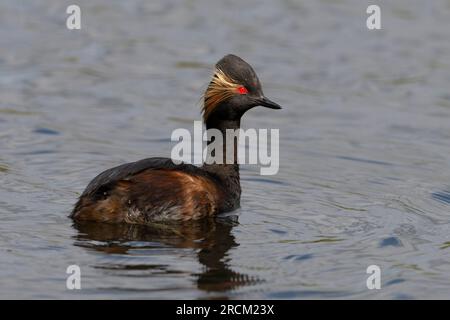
[{"x": 268, "y": 103}]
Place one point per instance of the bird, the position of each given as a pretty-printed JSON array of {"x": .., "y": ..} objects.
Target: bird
[{"x": 155, "y": 190}]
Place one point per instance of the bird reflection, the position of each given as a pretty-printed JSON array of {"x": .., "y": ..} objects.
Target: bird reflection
[{"x": 212, "y": 238}]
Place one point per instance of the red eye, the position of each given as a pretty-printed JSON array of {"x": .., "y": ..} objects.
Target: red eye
[{"x": 242, "y": 90}]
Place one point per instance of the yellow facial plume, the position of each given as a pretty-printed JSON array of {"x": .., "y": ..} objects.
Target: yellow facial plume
[{"x": 220, "y": 88}]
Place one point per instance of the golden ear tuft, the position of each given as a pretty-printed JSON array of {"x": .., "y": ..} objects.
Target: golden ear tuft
[{"x": 221, "y": 88}]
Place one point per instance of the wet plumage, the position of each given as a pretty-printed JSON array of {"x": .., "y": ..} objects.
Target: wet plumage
[{"x": 156, "y": 189}]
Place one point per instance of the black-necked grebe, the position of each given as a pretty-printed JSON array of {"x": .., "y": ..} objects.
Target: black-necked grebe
[{"x": 157, "y": 189}]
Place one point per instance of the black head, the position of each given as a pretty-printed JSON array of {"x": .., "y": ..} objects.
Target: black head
[{"x": 234, "y": 89}]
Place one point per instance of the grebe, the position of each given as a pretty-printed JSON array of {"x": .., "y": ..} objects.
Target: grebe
[{"x": 157, "y": 189}]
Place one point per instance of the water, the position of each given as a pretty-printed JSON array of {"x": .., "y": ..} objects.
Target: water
[{"x": 364, "y": 153}]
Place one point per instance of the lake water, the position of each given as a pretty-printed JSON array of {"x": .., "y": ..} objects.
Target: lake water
[{"x": 364, "y": 148}]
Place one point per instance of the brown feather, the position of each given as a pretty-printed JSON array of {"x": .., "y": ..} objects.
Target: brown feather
[{"x": 153, "y": 195}]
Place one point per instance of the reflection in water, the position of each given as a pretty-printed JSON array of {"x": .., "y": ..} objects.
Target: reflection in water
[
  {"x": 442, "y": 196},
  {"x": 212, "y": 237}
]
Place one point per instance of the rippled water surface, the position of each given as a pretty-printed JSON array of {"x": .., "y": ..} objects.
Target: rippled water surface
[{"x": 364, "y": 147}]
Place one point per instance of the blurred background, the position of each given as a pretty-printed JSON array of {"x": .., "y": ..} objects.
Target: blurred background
[{"x": 364, "y": 147}]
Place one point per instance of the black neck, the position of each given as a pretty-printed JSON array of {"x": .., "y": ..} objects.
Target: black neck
[
  {"x": 230, "y": 151},
  {"x": 227, "y": 173}
]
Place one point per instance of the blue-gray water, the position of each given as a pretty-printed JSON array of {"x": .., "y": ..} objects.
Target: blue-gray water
[{"x": 364, "y": 147}]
